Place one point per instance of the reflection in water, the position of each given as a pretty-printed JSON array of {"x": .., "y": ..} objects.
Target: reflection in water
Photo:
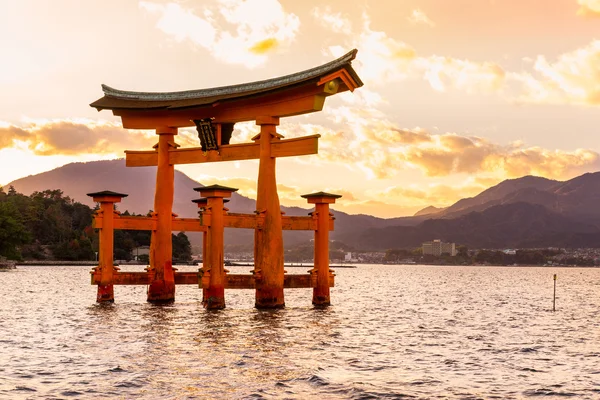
[{"x": 412, "y": 331}]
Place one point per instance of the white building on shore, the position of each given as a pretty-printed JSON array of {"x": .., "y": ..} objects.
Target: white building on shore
[{"x": 437, "y": 248}]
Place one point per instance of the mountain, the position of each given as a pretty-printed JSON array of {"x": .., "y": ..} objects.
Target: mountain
[
  {"x": 516, "y": 225},
  {"x": 524, "y": 212},
  {"x": 428, "y": 210},
  {"x": 77, "y": 179},
  {"x": 495, "y": 195}
]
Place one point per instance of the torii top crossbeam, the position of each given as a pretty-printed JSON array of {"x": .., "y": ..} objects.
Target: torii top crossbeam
[{"x": 294, "y": 94}]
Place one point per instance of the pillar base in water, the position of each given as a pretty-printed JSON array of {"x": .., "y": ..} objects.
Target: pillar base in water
[
  {"x": 269, "y": 298},
  {"x": 321, "y": 301},
  {"x": 161, "y": 292},
  {"x": 214, "y": 298},
  {"x": 106, "y": 294}
]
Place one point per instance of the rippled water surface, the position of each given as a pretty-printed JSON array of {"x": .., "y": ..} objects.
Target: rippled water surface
[{"x": 393, "y": 332}]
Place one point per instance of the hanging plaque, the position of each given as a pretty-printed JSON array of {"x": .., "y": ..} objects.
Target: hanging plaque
[{"x": 206, "y": 133}]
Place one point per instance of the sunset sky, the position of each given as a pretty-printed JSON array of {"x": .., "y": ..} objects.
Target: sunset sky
[{"x": 458, "y": 95}]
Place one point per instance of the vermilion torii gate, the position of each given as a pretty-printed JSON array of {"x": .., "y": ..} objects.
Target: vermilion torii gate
[{"x": 214, "y": 112}]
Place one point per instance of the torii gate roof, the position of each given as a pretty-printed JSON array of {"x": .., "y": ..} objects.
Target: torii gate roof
[{"x": 288, "y": 95}]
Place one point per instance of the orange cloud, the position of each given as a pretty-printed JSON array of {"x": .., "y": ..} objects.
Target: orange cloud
[
  {"x": 573, "y": 79},
  {"x": 384, "y": 59},
  {"x": 257, "y": 28},
  {"x": 66, "y": 137},
  {"x": 589, "y": 7},
  {"x": 264, "y": 46},
  {"x": 367, "y": 141}
]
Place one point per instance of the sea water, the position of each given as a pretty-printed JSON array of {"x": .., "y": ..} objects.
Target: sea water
[{"x": 392, "y": 332}]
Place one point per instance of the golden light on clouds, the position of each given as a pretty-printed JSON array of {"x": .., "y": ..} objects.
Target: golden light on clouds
[
  {"x": 73, "y": 138},
  {"x": 574, "y": 78},
  {"x": 589, "y": 7},
  {"x": 264, "y": 46},
  {"x": 382, "y": 149},
  {"x": 384, "y": 59},
  {"x": 233, "y": 32}
]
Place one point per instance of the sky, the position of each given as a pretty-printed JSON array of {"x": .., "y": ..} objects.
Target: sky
[{"x": 458, "y": 96}]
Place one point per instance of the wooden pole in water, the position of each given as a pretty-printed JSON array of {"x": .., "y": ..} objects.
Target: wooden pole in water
[
  {"x": 321, "y": 200},
  {"x": 214, "y": 295},
  {"x": 162, "y": 288},
  {"x": 268, "y": 241},
  {"x": 554, "y": 297},
  {"x": 202, "y": 204},
  {"x": 106, "y": 267}
]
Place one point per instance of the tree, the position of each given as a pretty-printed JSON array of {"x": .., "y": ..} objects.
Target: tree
[
  {"x": 182, "y": 249},
  {"x": 12, "y": 231}
]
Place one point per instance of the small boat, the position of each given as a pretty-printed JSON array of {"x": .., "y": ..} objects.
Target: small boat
[{"x": 7, "y": 264}]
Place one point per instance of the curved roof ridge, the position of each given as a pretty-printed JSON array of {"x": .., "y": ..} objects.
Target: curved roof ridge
[{"x": 233, "y": 89}]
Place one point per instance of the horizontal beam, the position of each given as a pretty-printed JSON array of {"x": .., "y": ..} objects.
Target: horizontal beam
[
  {"x": 243, "y": 221},
  {"x": 231, "y": 220},
  {"x": 135, "y": 223},
  {"x": 229, "y": 152},
  {"x": 128, "y": 223},
  {"x": 298, "y": 223},
  {"x": 234, "y": 281},
  {"x": 301, "y": 146},
  {"x": 187, "y": 225}
]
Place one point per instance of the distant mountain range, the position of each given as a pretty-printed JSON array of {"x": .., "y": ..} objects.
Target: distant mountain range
[{"x": 517, "y": 213}]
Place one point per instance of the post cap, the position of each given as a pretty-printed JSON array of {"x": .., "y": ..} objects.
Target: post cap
[
  {"x": 215, "y": 191},
  {"x": 321, "y": 197},
  {"x": 107, "y": 196}
]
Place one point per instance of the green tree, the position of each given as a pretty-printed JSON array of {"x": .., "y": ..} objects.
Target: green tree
[
  {"x": 13, "y": 232},
  {"x": 182, "y": 249}
]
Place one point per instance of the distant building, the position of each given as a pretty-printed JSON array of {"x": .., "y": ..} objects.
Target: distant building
[
  {"x": 141, "y": 251},
  {"x": 437, "y": 248},
  {"x": 510, "y": 252}
]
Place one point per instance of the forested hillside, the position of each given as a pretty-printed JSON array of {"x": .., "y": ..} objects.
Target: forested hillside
[{"x": 48, "y": 225}]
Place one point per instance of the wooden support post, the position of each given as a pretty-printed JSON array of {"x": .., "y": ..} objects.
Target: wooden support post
[
  {"x": 202, "y": 205},
  {"x": 321, "y": 200},
  {"x": 213, "y": 266},
  {"x": 106, "y": 268},
  {"x": 268, "y": 242},
  {"x": 162, "y": 288}
]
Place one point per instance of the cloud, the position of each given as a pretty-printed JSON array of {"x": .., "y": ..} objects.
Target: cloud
[
  {"x": 589, "y": 7},
  {"x": 573, "y": 79},
  {"x": 334, "y": 21},
  {"x": 67, "y": 137},
  {"x": 384, "y": 59},
  {"x": 363, "y": 138},
  {"x": 443, "y": 72},
  {"x": 233, "y": 32},
  {"x": 418, "y": 17}
]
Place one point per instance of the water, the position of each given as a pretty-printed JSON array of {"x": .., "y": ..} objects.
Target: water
[{"x": 393, "y": 332}]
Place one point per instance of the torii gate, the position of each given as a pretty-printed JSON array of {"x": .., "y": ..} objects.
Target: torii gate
[{"x": 214, "y": 112}]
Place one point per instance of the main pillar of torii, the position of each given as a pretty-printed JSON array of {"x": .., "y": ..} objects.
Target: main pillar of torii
[{"x": 214, "y": 112}]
